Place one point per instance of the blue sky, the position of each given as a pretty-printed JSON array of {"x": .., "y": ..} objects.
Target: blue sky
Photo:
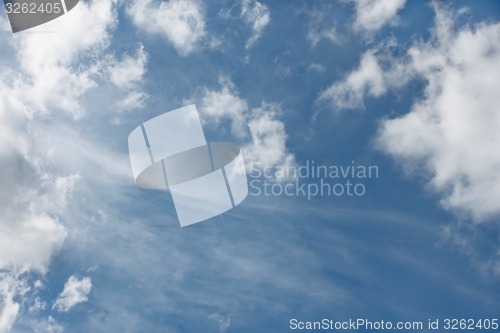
[{"x": 408, "y": 86}]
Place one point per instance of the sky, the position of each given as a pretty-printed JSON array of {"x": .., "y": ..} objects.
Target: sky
[{"x": 410, "y": 87}]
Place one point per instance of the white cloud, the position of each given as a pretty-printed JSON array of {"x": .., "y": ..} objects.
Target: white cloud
[
  {"x": 452, "y": 134},
  {"x": 449, "y": 135},
  {"x": 47, "y": 72},
  {"x": 371, "y": 15},
  {"x": 257, "y": 16},
  {"x": 262, "y": 132},
  {"x": 217, "y": 105},
  {"x": 47, "y": 78},
  {"x": 38, "y": 305},
  {"x": 51, "y": 80},
  {"x": 129, "y": 71},
  {"x": 181, "y": 22},
  {"x": 127, "y": 75},
  {"x": 368, "y": 78},
  {"x": 30, "y": 198},
  {"x": 8, "y": 307},
  {"x": 75, "y": 292},
  {"x": 268, "y": 144},
  {"x": 377, "y": 72}
]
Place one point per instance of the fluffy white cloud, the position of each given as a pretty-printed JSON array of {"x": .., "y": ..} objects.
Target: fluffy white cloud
[
  {"x": 46, "y": 72},
  {"x": 127, "y": 75},
  {"x": 452, "y": 134},
  {"x": 30, "y": 202},
  {"x": 257, "y": 16},
  {"x": 449, "y": 135},
  {"x": 130, "y": 70},
  {"x": 51, "y": 79},
  {"x": 75, "y": 291},
  {"x": 46, "y": 79},
  {"x": 181, "y": 22},
  {"x": 368, "y": 78},
  {"x": 371, "y": 15},
  {"x": 217, "y": 105},
  {"x": 30, "y": 197},
  {"x": 377, "y": 72},
  {"x": 262, "y": 132},
  {"x": 268, "y": 138}
]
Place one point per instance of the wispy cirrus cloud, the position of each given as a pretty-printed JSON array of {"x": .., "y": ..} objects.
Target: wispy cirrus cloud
[{"x": 257, "y": 16}]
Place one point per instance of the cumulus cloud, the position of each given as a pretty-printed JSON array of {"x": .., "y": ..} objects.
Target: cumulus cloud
[
  {"x": 257, "y": 16},
  {"x": 130, "y": 70},
  {"x": 268, "y": 138},
  {"x": 127, "y": 75},
  {"x": 181, "y": 22},
  {"x": 47, "y": 72},
  {"x": 371, "y": 15},
  {"x": 75, "y": 291},
  {"x": 51, "y": 81},
  {"x": 30, "y": 198},
  {"x": 449, "y": 135},
  {"x": 452, "y": 133},
  {"x": 377, "y": 72},
  {"x": 45, "y": 79},
  {"x": 368, "y": 78},
  {"x": 260, "y": 128},
  {"x": 218, "y": 105}
]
